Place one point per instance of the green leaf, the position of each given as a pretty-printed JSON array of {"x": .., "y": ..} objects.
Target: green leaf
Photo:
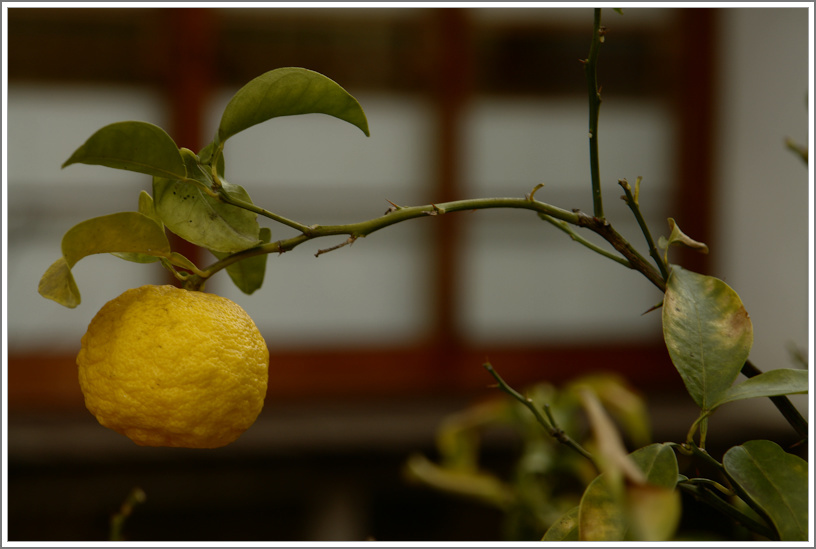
[
  {"x": 119, "y": 232},
  {"x": 288, "y": 91},
  {"x": 248, "y": 274},
  {"x": 678, "y": 238},
  {"x": 205, "y": 221},
  {"x": 205, "y": 156},
  {"x": 181, "y": 261},
  {"x": 775, "y": 481},
  {"x": 146, "y": 208},
  {"x": 565, "y": 528},
  {"x": 650, "y": 508},
  {"x": 136, "y": 146},
  {"x": 654, "y": 509},
  {"x": 708, "y": 334},
  {"x": 782, "y": 381},
  {"x": 659, "y": 463},
  {"x": 131, "y": 232}
]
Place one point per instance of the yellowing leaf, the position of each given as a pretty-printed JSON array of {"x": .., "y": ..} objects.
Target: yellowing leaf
[
  {"x": 130, "y": 232},
  {"x": 653, "y": 512},
  {"x": 646, "y": 511},
  {"x": 708, "y": 334},
  {"x": 58, "y": 284},
  {"x": 565, "y": 528}
]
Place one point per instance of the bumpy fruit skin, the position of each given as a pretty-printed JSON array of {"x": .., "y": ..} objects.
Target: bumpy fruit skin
[{"x": 170, "y": 367}]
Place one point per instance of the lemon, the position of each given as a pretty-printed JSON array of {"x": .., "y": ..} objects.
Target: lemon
[{"x": 170, "y": 367}]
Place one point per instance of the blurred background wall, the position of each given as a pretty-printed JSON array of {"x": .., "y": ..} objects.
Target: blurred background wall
[{"x": 372, "y": 345}]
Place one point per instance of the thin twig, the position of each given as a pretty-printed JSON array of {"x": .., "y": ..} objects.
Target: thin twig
[
  {"x": 350, "y": 240},
  {"x": 638, "y": 262},
  {"x": 703, "y": 455},
  {"x": 581, "y": 240},
  {"x": 590, "y": 66},
  {"x": 391, "y": 217},
  {"x": 632, "y": 201},
  {"x": 229, "y": 199},
  {"x": 702, "y": 493},
  {"x": 549, "y": 426}
]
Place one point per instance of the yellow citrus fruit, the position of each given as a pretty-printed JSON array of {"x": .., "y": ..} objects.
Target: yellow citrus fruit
[{"x": 171, "y": 367}]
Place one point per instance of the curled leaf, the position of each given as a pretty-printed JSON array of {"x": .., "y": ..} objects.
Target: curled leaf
[
  {"x": 130, "y": 232},
  {"x": 679, "y": 238},
  {"x": 58, "y": 284}
]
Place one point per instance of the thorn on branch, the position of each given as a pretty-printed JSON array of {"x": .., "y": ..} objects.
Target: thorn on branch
[
  {"x": 350, "y": 240},
  {"x": 652, "y": 308},
  {"x": 393, "y": 208},
  {"x": 436, "y": 210}
]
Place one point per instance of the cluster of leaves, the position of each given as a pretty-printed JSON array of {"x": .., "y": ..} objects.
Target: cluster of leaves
[
  {"x": 636, "y": 496},
  {"x": 191, "y": 197},
  {"x": 547, "y": 479}
]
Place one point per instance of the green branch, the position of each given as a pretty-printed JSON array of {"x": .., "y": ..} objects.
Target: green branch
[
  {"x": 702, "y": 493},
  {"x": 364, "y": 228},
  {"x": 591, "y": 66},
  {"x": 637, "y": 261},
  {"x": 560, "y": 217},
  {"x": 584, "y": 242},
  {"x": 228, "y": 199},
  {"x": 632, "y": 201}
]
